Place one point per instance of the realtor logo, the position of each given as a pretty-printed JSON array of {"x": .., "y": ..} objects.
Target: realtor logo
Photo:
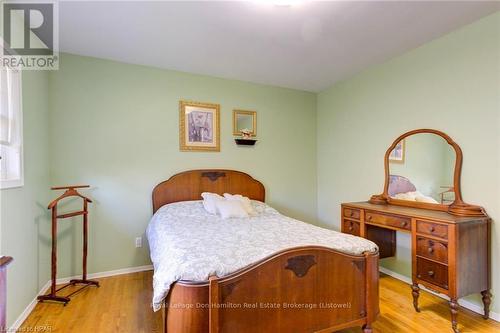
[{"x": 30, "y": 35}]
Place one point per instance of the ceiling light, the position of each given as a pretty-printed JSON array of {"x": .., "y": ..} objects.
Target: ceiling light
[{"x": 284, "y": 3}]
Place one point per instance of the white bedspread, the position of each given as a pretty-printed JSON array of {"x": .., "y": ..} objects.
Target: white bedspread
[{"x": 187, "y": 243}]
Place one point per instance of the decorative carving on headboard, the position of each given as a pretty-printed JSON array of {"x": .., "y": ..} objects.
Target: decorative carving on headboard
[
  {"x": 213, "y": 175},
  {"x": 300, "y": 265}
]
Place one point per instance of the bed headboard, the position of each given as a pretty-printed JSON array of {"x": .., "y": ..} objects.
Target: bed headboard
[
  {"x": 400, "y": 184},
  {"x": 189, "y": 185}
]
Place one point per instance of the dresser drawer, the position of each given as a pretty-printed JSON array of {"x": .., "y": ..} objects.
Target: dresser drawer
[
  {"x": 388, "y": 220},
  {"x": 432, "y": 272},
  {"x": 432, "y": 249},
  {"x": 433, "y": 229},
  {"x": 352, "y": 213},
  {"x": 350, "y": 227}
]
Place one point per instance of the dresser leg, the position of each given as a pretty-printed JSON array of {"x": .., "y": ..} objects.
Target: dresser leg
[
  {"x": 415, "y": 291},
  {"x": 454, "y": 314},
  {"x": 367, "y": 329},
  {"x": 486, "y": 302}
]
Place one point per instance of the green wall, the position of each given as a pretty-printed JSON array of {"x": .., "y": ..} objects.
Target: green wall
[
  {"x": 115, "y": 126},
  {"x": 24, "y": 219},
  {"x": 450, "y": 84}
]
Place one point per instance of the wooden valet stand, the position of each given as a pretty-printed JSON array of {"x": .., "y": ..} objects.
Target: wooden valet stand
[{"x": 70, "y": 192}]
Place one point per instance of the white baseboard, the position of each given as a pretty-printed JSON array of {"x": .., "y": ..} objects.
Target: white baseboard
[
  {"x": 107, "y": 273},
  {"x": 466, "y": 304},
  {"x": 22, "y": 317}
]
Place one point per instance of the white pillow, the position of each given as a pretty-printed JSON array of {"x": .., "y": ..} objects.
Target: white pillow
[
  {"x": 424, "y": 198},
  {"x": 209, "y": 201},
  {"x": 247, "y": 204},
  {"x": 414, "y": 194},
  {"x": 404, "y": 196},
  {"x": 230, "y": 208}
]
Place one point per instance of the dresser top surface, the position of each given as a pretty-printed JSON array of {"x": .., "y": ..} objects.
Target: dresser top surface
[{"x": 414, "y": 212}]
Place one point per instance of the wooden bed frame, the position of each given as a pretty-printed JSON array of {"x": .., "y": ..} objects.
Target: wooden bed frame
[{"x": 304, "y": 289}]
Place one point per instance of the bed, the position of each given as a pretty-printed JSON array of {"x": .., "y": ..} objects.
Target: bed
[
  {"x": 403, "y": 189},
  {"x": 260, "y": 280}
]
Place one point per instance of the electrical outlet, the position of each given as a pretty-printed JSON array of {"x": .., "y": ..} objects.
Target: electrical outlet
[{"x": 138, "y": 242}]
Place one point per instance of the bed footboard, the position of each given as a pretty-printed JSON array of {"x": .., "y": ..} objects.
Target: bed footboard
[{"x": 308, "y": 289}]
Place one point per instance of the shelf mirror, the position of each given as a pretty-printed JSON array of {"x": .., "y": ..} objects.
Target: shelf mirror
[
  {"x": 242, "y": 120},
  {"x": 421, "y": 169}
]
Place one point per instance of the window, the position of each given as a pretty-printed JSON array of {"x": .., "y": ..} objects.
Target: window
[{"x": 11, "y": 156}]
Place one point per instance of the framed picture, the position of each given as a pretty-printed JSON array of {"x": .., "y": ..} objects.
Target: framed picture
[
  {"x": 199, "y": 128},
  {"x": 397, "y": 155}
]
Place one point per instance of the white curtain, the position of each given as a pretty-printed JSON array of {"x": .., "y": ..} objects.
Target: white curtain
[
  {"x": 10, "y": 107},
  {"x": 11, "y": 170}
]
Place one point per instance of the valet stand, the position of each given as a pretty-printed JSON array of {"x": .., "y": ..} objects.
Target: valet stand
[{"x": 70, "y": 192}]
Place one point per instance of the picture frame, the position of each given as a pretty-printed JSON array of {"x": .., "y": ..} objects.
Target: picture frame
[
  {"x": 199, "y": 126},
  {"x": 397, "y": 155}
]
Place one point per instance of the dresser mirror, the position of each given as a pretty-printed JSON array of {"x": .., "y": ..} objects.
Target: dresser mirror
[
  {"x": 244, "y": 120},
  {"x": 422, "y": 170}
]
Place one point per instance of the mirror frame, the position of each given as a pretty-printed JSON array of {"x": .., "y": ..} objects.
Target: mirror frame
[
  {"x": 235, "y": 124},
  {"x": 457, "y": 207}
]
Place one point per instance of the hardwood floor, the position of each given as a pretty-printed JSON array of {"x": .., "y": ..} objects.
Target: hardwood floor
[{"x": 122, "y": 304}]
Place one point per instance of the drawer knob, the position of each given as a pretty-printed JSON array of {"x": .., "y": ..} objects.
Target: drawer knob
[
  {"x": 351, "y": 214},
  {"x": 404, "y": 224},
  {"x": 432, "y": 229},
  {"x": 351, "y": 228},
  {"x": 430, "y": 250},
  {"x": 431, "y": 273},
  {"x": 369, "y": 218}
]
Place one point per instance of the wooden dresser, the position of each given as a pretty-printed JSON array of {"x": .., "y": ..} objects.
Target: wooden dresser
[
  {"x": 4, "y": 261},
  {"x": 449, "y": 253}
]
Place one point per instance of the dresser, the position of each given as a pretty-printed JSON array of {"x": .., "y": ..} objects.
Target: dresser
[
  {"x": 450, "y": 239},
  {"x": 449, "y": 253}
]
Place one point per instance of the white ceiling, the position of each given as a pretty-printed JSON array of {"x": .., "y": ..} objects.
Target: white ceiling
[{"x": 308, "y": 46}]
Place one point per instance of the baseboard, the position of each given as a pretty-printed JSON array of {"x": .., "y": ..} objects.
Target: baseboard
[
  {"x": 466, "y": 304},
  {"x": 107, "y": 273},
  {"x": 22, "y": 317}
]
